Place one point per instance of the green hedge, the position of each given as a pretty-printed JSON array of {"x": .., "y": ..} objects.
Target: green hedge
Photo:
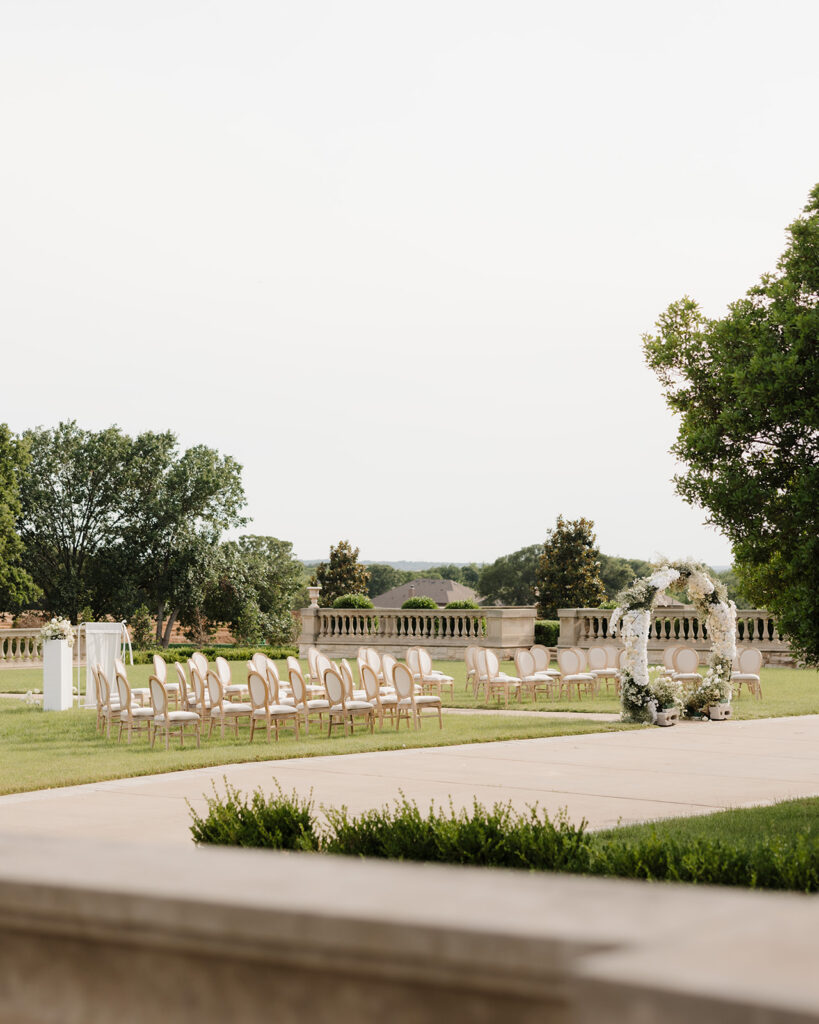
[
  {"x": 546, "y": 632},
  {"x": 231, "y": 653},
  {"x": 420, "y": 602},
  {"x": 502, "y": 837},
  {"x": 462, "y": 604},
  {"x": 353, "y": 601}
]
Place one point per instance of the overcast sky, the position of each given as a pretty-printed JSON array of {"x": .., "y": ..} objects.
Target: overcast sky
[{"x": 395, "y": 258}]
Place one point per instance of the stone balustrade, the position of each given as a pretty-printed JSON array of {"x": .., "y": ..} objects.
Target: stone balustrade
[
  {"x": 339, "y": 632},
  {"x": 587, "y": 627},
  {"x": 20, "y": 646}
]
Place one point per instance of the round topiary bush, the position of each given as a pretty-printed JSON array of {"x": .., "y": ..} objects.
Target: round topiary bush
[
  {"x": 353, "y": 601},
  {"x": 462, "y": 604},
  {"x": 420, "y": 602}
]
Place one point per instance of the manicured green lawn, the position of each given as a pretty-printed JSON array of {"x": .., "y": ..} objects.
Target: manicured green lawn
[
  {"x": 40, "y": 750},
  {"x": 744, "y": 826}
]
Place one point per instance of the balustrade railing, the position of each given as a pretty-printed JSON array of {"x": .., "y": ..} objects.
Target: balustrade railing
[
  {"x": 584, "y": 627},
  {"x": 344, "y": 629},
  {"x": 20, "y": 646}
]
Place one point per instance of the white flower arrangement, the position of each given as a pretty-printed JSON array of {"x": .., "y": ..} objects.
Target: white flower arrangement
[
  {"x": 58, "y": 629},
  {"x": 640, "y": 695}
]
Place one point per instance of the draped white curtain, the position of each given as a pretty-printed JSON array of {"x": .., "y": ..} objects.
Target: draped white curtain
[{"x": 103, "y": 643}]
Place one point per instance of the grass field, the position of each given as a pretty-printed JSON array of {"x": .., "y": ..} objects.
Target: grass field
[
  {"x": 786, "y": 691},
  {"x": 40, "y": 750},
  {"x": 744, "y": 826}
]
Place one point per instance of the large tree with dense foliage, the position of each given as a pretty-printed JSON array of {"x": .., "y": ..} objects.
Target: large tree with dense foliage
[
  {"x": 746, "y": 388},
  {"x": 17, "y": 589},
  {"x": 511, "y": 579},
  {"x": 568, "y": 573},
  {"x": 343, "y": 574},
  {"x": 617, "y": 573}
]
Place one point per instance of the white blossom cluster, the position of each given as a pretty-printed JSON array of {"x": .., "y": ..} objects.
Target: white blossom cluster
[
  {"x": 664, "y": 577},
  {"x": 58, "y": 629},
  {"x": 634, "y": 682},
  {"x": 721, "y": 623}
]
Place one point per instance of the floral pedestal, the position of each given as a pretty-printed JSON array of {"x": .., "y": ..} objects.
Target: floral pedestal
[
  {"x": 668, "y": 716},
  {"x": 57, "y": 692},
  {"x": 719, "y": 712}
]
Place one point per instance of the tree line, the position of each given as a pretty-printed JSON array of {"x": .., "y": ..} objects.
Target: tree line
[{"x": 98, "y": 523}]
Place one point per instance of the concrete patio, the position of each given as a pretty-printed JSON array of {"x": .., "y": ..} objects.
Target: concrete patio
[{"x": 626, "y": 777}]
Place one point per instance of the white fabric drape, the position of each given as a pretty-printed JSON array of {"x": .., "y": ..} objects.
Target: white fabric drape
[{"x": 103, "y": 642}]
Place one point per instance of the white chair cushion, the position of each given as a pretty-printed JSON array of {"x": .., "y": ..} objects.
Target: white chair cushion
[
  {"x": 687, "y": 675},
  {"x": 743, "y": 676},
  {"x": 355, "y": 705},
  {"x": 232, "y": 709},
  {"x": 423, "y": 698},
  {"x": 580, "y": 677},
  {"x": 318, "y": 705},
  {"x": 276, "y": 710},
  {"x": 137, "y": 713},
  {"x": 178, "y": 716}
]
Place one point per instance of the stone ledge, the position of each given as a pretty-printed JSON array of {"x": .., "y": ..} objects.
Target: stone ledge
[{"x": 204, "y": 934}]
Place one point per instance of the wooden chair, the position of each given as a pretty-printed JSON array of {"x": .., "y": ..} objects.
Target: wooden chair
[
  {"x": 532, "y": 680},
  {"x": 167, "y": 720},
  {"x": 263, "y": 710},
  {"x": 384, "y": 703},
  {"x": 222, "y": 710},
  {"x": 136, "y": 717},
  {"x": 600, "y": 668},
  {"x": 685, "y": 661},
  {"x": 161, "y": 672},
  {"x": 428, "y": 677},
  {"x": 470, "y": 655},
  {"x": 410, "y": 703},
  {"x": 141, "y": 694},
  {"x": 570, "y": 664},
  {"x": 492, "y": 679},
  {"x": 302, "y": 701},
  {"x": 343, "y": 710},
  {"x": 107, "y": 704},
  {"x": 749, "y": 665}
]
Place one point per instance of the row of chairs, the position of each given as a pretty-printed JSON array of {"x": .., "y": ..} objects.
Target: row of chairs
[{"x": 577, "y": 672}]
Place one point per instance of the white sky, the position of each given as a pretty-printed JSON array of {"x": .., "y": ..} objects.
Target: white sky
[{"x": 394, "y": 258}]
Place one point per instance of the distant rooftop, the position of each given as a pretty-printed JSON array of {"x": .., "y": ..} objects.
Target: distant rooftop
[{"x": 441, "y": 592}]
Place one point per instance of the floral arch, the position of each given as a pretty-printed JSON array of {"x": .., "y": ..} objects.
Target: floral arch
[{"x": 633, "y": 617}]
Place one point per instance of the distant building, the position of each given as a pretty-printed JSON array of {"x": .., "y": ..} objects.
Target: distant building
[{"x": 441, "y": 592}]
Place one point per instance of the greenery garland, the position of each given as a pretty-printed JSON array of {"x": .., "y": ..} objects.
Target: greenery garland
[{"x": 639, "y": 697}]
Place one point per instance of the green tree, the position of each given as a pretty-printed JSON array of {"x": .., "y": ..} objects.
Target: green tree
[
  {"x": 569, "y": 569},
  {"x": 17, "y": 589},
  {"x": 344, "y": 574},
  {"x": 617, "y": 573},
  {"x": 511, "y": 579},
  {"x": 384, "y": 578},
  {"x": 746, "y": 388}
]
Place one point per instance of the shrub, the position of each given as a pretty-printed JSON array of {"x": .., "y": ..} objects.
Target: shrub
[
  {"x": 353, "y": 601},
  {"x": 503, "y": 837},
  {"x": 420, "y": 602},
  {"x": 183, "y": 652},
  {"x": 462, "y": 604},
  {"x": 142, "y": 628},
  {"x": 547, "y": 632}
]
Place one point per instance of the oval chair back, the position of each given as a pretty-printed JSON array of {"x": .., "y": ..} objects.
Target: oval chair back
[
  {"x": 750, "y": 661},
  {"x": 388, "y": 663},
  {"x": 159, "y": 696},
  {"x": 259, "y": 663},
  {"x": 258, "y": 690},
  {"x": 160, "y": 668},
  {"x": 312, "y": 666},
  {"x": 541, "y": 656},
  {"x": 403, "y": 682},
  {"x": 216, "y": 691},
  {"x": 347, "y": 676},
  {"x": 183, "y": 683},
  {"x": 621, "y": 660},
  {"x": 414, "y": 661},
  {"x": 612, "y": 655},
  {"x": 686, "y": 660},
  {"x": 369, "y": 680},
  {"x": 119, "y": 667},
  {"x": 201, "y": 663},
  {"x": 374, "y": 660},
  {"x": 322, "y": 664},
  {"x": 271, "y": 674},
  {"x": 424, "y": 661},
  {"x": 597, "y": 658},
  {"x": 668, "y": 657},
  {"x": 103, "y": 689},
  {"x": 524, "y": 663},
  {"x": 124, "y": 691},
  {"x": 582, "y": 658},
  {"x": 334, "y": 685},
  {"x": 297, "y": 683},
  {"x": 222, "y": 667},
  {"x": 491, "y": 662},
  {"x": 469, "y": 658},
  {"x": 568, "y": 662}
]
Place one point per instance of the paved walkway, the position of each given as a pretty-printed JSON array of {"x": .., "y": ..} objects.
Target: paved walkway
[{"x": 606, "y": 778}]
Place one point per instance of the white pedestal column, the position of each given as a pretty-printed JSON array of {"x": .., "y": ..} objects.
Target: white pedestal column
[{"x": 57, "y": 692}]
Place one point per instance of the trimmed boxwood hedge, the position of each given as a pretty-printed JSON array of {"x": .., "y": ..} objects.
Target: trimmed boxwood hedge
[
  {"x": 503, "y": 837},
  {"x": 473, "y": 605},
  {"x": 353, "y": 601},
  {"x": 547, "y": 632},
  {"x": 420, "y": 602},
  {"x": 231, "y": 653}
]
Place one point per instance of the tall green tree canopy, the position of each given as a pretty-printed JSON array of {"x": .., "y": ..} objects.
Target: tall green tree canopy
[
  {"x": 343, "y": 574},
  {"x": 17, "y": 588},
  {"x": 569, "y": 569},
  {"x": 746, "y": 388},
  {"x": 511, "y": 579}
]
